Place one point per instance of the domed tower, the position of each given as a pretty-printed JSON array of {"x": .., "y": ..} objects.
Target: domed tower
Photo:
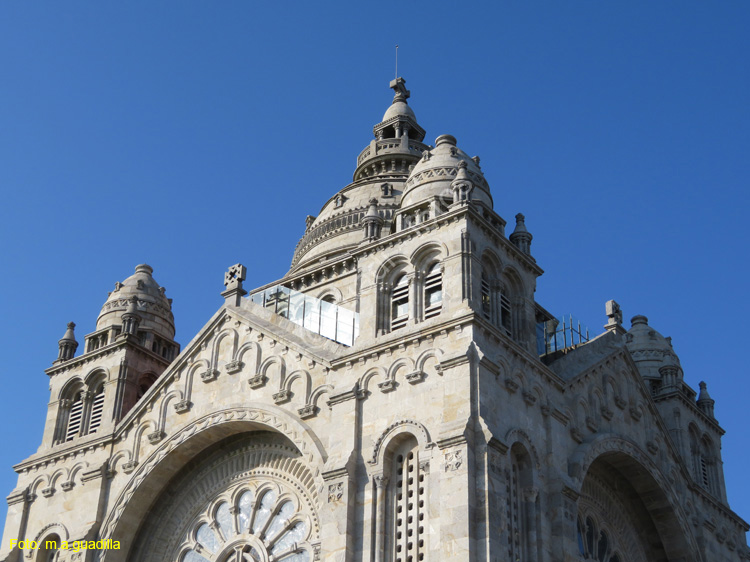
[
  {"x": 382, "y": 169},
  {"x": 132, "y": 345}
]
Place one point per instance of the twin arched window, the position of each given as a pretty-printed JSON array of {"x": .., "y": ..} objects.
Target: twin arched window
[
  {"x": 704, "y": 463},
  {"x": 81, "y": 413},
  {"x": 499, "y": 296},
  {"x": 428, "y": 296}
]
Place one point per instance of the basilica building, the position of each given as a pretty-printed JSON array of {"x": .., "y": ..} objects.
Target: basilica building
[{"x": 398, "y": 396}]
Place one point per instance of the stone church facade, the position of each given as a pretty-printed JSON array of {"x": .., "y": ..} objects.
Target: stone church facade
[{"x": 399, "y": 396}]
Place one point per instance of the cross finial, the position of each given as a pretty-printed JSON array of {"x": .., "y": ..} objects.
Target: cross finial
[{"x": 399, "y": 86}]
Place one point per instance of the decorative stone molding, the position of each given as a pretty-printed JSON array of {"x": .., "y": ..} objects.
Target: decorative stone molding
[
  {"x": 156, "y": 436},
  {"x": 592, "y": 424},
  {"x": 344, "y": 396},
  {"x": 620, "y": 402},
  {"x": 182, "y": 406},
  {"x": 387, "y": 385},
  {"x": 415, "y": 377},
  {"x": 335, "y": 492},
  {"x": 307, "y": 411},
  {"x": 635, "y": 413},
  {"x": 67, "y": 486},
  {"x": 48, "y": 492},
  {"x": 129, "y": 466},
  {"x": 511, "y": 385},
  {"x": 257, "y": 381},
  {"x": 453, "y": 460},
  {"x": 652, "y": 447},
  {"x": 576, "y": 435},
  {"x": 209, "y": 375},
  {"x": 234, "y": 367},
  {"x": 529, "y": 398},
  {"x": 282, "y": 396},
  {"x": 424, "y": 466},
  {"x": 607, "y": 414}
]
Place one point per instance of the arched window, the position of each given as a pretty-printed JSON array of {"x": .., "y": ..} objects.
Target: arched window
[
  {"x": 433, "y": 291},
  {"x": 400, "y": 303},
  {"x": 405, "y": 530},
  {"x": 495, "y": 299},
  {"x": 145, "y": 382},
  {"x": 48, "y": 549}
]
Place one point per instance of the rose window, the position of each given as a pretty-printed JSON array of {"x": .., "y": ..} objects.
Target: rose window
[{"x": 259, "y": 525}]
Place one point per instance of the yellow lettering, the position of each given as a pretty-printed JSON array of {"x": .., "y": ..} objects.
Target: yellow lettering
[
  {"x": 11, "y": 543},
  {"x": 64, "y": 545},
  {"x": 50, "y": 545},
  {"x": 116, "y": 545},
  {"x": 91, "y": 544}
]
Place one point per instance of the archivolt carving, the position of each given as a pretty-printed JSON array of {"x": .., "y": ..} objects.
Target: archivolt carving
[
  {"x": 517, "y": 435},
  {"x": 306, "y": 379},
  {"x": 403, "y": 426},
  {"x": 587, "y": 453},
  {"x": 318, "y": 392},
  {"x": 47, "y": 530},
  {"x": 248, "y": 348},
  {"x": 174, "y": 395},
  {"x": 276, "y": 419},
  {"x": 228, "y": 333}
]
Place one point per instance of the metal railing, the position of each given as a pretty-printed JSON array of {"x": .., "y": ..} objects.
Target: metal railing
[
  {"x": 556, "y": 335},
  {"x": 324, "y": 318}
]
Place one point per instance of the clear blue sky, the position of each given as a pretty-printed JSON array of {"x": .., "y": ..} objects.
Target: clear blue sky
[{"x": 192, "y": 135}]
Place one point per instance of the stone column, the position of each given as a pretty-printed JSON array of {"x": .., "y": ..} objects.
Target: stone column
[{"x": 381, "y": 485}]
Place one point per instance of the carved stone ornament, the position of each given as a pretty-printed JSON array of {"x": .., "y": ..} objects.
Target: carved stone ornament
[
  {"x": 607, "y": 414},
  {"x": 591, "y": 424},
  {"x": 511, "y": 385},
  {"x": 335, "y": 492},
  {"x": 415, "y": 377},
  {"x": 307, "y": 411},
  {"x": 652, "y": 447},
  {"x": 156, "y": 436},
  {"x": 635, "y": 413},
  {"x": 387, "y": 385},
  {"x": 576, "y": 435},
  {"x": 67, "y": 486},
  {"x": 453, "y": 460},
  {"x": 620, "y": 402},
  {"x": 529, "y": 398},
  {"x": 234, "y": 367},
  {"x": 257, "y": 381},
  {"x": 282, "y": 396},
  {"x": 209, "y": 375},
  {"x": 182, "y": 406},
  {"x": 129, "y": 466},
  {"x": 424, "y": 466},
  {"x": 47, "y": 492}
]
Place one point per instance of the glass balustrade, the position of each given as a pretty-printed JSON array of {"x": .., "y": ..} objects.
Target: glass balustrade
[{"x": 327, "y": 319}]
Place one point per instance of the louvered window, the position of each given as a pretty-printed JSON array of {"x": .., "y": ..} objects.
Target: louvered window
[
  {"x": 74, "y": 419},
  {"x": 705, "y": 477},
  {"x": 400, "y": 303},
  {"x": 515, "y": 517},
  {"x": 433, "y": 292},
  {"x": 486, "y": 299},
  {"x": 96, "y": 411},
  {"x": 505, "y": 318}
]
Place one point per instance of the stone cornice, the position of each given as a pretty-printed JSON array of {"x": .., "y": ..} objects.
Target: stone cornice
[
  {"x": 692, "y": 406},
  {"x": 103, "y": 352},
  {"x": 60, "y": 452}
]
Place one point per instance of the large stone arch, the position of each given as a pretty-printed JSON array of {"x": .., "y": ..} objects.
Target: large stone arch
[
  {"x": 651, "y": 489},
  {"x": 157, "y": 471}
]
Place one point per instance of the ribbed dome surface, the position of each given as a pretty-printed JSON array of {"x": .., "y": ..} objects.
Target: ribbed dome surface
[
  {"x": 153, "y": 306},
  {"x": 433, "y": 174},
  {"x": 650, "y": 350}
]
